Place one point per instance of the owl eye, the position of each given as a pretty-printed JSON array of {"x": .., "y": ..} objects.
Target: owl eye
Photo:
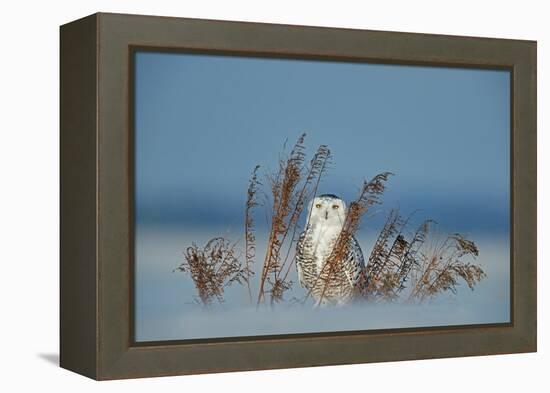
[
  {"x": 318, "y": 206},
  {"x": 335, "y": 206}
]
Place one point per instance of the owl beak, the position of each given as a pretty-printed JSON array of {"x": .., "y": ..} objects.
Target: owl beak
[{"x": 326, "y": 215}]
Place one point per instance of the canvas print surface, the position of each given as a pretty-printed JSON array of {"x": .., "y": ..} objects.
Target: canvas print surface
[{"x": 287, "y": 196}]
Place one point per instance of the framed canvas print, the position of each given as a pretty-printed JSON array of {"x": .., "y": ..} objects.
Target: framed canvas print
[{"x": 240, "y": 196}]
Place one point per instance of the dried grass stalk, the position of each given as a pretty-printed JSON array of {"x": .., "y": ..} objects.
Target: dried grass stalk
[
  {"x": 443, "y": 267},
  {"x": 397, "y": 264},
  {"x": 314, "y": 173},
  {"x": 249, "y": 231},
  {"x": 380, "y": 254},
  {"x": 283, "y": 186},
  {"x": 370, "y": 195},
  {"x": 292, "y": 185},
  {"x": 391, "y": 262},
  {"x": 212, "y": 268}
]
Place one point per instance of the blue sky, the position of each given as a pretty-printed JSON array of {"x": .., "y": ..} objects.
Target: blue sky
[{"x": 204, "y": 121}]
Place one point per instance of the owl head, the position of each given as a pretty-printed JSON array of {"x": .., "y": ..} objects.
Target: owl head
[{"x": 327, "y": 210}]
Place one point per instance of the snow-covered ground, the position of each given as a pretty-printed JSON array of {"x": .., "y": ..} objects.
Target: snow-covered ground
[{"x": 165, "y": 309}]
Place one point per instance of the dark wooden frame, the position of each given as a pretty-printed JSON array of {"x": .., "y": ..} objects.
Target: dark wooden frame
[{"x": 97, "y": 200}]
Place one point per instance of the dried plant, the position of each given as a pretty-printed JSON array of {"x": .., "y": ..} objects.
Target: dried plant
[
  {"x": 442, "y": 267},
  {"x": 411, "y": 253},
  {"x": 393, "y": 258},
  {"x": 283, "y": 186},
  {"x": 291, "y": 186},
  {"x": 400, "y": 266},
  {"x": 369, "y": 195},
  {"x": 397, "y": 264},
  {"x": 212, "y": 268},
  {"x": 314, "y": 173},
  {"x": 380, "y": 254},
  {"x": 249, "y": 232}
]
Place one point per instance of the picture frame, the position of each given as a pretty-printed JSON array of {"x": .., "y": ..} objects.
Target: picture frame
[{"x": 97, "y": 201}]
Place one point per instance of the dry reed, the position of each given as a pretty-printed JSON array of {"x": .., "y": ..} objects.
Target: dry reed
[
  {"x": 283, "y": 185},
  {"x": 393, "y": 257},
  {"x": 369, "y": 195},
  {"x": 442, "y": 268},
  {"x": 291, "y": 186},
  {"x": 400, "y": 266},
  {"x": 249, "y": 231},
  {"x": 213, "y": 268}
]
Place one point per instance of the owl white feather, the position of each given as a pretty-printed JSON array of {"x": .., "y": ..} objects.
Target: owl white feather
[{"x": 326, "y": 216}]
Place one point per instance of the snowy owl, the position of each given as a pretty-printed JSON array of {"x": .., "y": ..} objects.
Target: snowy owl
[{"x": 326, "y": 217}]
